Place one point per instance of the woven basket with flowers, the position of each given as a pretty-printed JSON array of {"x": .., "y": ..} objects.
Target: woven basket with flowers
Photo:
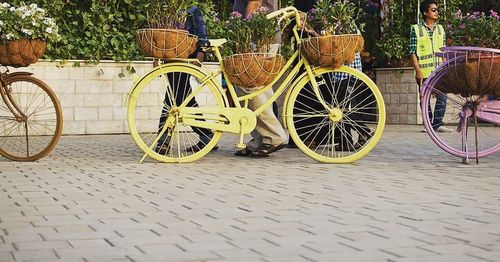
[
  {"x": 164, "y": 36},
  {"x": 24, "y": 30},
  {"x": 336, "y": 37},
  {"x": 252, "y": 65}
]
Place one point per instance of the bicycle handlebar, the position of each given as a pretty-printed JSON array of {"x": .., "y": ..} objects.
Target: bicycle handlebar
[{"x": 285, "y": 13}]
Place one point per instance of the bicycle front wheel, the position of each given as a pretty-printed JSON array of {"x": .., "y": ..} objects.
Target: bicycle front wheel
[
  {"x": 154, "y": 119},
  {"x": 36, "y": 129},
  {"x": 350, "y": 127},
  {"x": 470, "y": 134}
]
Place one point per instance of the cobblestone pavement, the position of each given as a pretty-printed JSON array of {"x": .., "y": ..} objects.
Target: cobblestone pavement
[{"x": 91, "y": 200}]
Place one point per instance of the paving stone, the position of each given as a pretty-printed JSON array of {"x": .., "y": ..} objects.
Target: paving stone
[{"x": 90, "y": 200}]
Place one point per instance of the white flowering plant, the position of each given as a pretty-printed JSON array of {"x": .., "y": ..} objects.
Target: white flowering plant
[{"x": 26, "y": 21}]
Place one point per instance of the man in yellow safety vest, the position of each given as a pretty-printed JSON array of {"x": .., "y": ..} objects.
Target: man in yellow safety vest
[{"x": 427, "y": 38}]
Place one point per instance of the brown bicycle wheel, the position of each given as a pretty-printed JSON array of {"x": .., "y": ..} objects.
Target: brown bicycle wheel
[{"x": 35, "y": 132}]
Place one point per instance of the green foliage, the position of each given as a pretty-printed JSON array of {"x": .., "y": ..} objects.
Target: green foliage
[
  {"x": 168, "y": 13},
  {"x": 391, "y": 48},
  {"x": 253, "y": 34},
  {"x": 475, "y": 29},
  {"x": 26, "y": 21},
  {"x": 333, "y": 18},
  {"x": 94, "y": 30}
]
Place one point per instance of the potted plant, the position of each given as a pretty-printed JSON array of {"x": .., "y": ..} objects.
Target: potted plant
[
  {"x": 475, "y": 29},
  {"x": 251, "y": 64},
  {"x": 164, "y": 36},
  {"x": 24, "y": 30},
  {"x": 392, "y": 51},
  {"x": 478, "y": 74},
  {"x": 339, "y": 37}
]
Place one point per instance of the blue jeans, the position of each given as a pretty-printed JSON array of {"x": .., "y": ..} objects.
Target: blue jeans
[{"x": 439, "y": 110}]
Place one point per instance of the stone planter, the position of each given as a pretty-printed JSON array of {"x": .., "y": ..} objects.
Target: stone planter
[{"x": 400, "y": 93}]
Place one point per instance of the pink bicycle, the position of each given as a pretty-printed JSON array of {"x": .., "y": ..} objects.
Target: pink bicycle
[{"x": 470, "y": 79}]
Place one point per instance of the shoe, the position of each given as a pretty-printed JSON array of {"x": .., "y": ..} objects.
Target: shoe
[
  {"x": 243, "y": 152},
  {"x": 363, "y": 139},
  {"x": 349, "y": 148},
  {"x": 266, "y": 149},
  {"x": 162, "y": 149},
  {"x": 443, "y": 129},
  {"x": 199, "y": 146}
]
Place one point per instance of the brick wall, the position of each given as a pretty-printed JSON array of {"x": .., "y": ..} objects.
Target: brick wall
[
  {"x": 92, "y": 96},
  {"x": 401, "y": 96}
]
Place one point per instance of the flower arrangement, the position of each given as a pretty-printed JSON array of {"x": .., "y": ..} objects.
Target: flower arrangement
[
  {"x": 26, "y": 21},
  {"x": 252, "y": 34},
  {"x": 335, "y": 18},
  {"x": 168, "y": 14},
  {"x": 252, "y": 65},
  {"x": 164, "y": 35},
  {"x": 475, "y": 29}
]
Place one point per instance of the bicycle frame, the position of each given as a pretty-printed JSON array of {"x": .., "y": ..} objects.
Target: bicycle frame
[
  {"x": 287, "y": 12},
  {"x": 7, "y": 98}
]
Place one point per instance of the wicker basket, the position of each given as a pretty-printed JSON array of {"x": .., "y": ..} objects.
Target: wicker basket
[
  {"x": 332, "y": 50},
  {"x": 473, "y": 77},
  {"x": 22, "y": 52},
  {"x": 166, "y": 43},
  {"x": 253, "y": 70}
]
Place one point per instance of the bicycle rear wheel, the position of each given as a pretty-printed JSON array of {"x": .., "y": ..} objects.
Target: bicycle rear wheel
[
  {"x": 34, "y": 133},
  {"x": 353, "y": 123},
  {"x": 154, "y": 103}
]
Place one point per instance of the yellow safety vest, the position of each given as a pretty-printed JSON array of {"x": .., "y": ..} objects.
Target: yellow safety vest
[{"x": 427, "y": 47}]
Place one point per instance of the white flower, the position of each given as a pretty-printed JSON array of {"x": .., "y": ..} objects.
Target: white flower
[
  {"x": 49, "y": 30},
  {"x": 33, "y": 6},
  {"x": 27, "y": 32},
  {"x": 9, "y": 36},
  {"x": 5, "y": 5}
]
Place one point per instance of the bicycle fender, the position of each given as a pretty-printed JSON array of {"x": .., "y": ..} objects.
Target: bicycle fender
[{"x": 19, "y": 74}]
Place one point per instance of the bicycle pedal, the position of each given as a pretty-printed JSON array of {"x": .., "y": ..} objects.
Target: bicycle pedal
[{"x": 240, "y": 146}]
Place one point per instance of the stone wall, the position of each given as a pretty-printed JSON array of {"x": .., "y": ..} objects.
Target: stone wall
[
  {"x": 400, "y": 94},
  {"x": 92, "y": 96}
]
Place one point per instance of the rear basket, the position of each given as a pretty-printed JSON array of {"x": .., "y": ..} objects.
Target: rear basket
[
  {"x": 332, "y": 50},
  {"x": 166, "y": 43}
]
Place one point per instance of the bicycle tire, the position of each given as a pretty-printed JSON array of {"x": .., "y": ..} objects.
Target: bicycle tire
[
  {"x": 148, "y": 93},
  {"x": 37, "y": 135},
  {"x": 461, "y": 143},
  {"x": 322, "y": 143}
]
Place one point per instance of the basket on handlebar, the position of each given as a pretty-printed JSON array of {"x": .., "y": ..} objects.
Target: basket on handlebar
[
  {"x": 166, "y": 43},
  {"x": 471, "y": 73},
  {"x": 253, "y": 70},
  {"x": 332, "y": 50},
  {"x": 21, "y": 52}
]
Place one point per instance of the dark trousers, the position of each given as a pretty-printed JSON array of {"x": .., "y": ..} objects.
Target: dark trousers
[{"x": 181, "y": 88}]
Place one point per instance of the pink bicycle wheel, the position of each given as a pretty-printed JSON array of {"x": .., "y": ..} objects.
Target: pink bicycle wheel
[{"x": 472, "y": 104}]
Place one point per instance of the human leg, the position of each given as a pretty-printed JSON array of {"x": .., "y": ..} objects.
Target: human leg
[
  {"x": 181, "y": 85},
  {"x": 439, "y": 110}
]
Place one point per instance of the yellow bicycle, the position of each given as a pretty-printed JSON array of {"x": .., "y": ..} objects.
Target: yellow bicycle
[{"x": 333, "y": 116}]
